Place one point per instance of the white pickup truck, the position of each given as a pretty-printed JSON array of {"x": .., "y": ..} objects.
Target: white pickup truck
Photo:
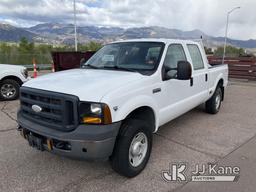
[
  {"x": 11, "y": 78},
  {"x": 121, "y": 96}
]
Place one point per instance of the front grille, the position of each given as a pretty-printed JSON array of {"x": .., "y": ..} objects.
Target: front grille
[{"x": 59, "y": 111}]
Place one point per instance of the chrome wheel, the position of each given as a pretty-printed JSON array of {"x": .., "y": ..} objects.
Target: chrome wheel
[
  {"x": 217, "y": 101},
  {"x": 8, "y": 91},
  {"x": 138, "y": 149}
]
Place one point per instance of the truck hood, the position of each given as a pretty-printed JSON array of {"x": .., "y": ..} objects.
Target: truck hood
[
  {"x": 87, "y": 84},
  {"x": 11, "y": 67}
]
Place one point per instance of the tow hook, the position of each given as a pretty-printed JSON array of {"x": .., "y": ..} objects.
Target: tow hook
[
  {"x": 19, "y": 128},
  {"x": 22, "y": 132}
]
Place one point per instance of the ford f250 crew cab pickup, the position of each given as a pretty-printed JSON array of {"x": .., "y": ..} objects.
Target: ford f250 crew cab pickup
[
  {"x": 110, "y": 107},
  {"x": 11, "y": 78}
]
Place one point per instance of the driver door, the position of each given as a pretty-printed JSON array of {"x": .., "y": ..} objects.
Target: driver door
[{"x": 175, "y": 93}]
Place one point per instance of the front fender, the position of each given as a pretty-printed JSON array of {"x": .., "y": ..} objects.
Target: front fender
[
  {"x": 13, "y": 73},
  {"x": 134, "y": 103}
]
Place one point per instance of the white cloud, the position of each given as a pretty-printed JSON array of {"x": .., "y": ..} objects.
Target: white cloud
[{"x": 206, "y": 15}]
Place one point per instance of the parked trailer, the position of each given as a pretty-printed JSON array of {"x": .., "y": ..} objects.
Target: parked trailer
[{"x": 69, "y": 60}]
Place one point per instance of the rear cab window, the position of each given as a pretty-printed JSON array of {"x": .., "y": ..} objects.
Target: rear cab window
[{"x": 196, "y": 56}]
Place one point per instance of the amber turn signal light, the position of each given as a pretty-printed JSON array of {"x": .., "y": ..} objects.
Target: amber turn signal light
[
  {"x": 107, "y": 115},
  {"x": 92, "y": 120}
]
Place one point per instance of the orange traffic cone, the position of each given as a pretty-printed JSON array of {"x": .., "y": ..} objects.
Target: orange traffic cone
[{"x": 35, "y": 71}]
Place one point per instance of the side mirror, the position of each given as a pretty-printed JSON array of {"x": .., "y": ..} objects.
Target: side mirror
[
  {"x": 184, "y": 70},
  {"x": 82, "y": 62}
]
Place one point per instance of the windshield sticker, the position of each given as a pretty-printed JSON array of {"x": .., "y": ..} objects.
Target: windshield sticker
[{"x": 108, "y": 58}]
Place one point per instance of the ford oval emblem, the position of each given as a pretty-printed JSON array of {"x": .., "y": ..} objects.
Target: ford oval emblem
[{"x": 36, "y": 108}]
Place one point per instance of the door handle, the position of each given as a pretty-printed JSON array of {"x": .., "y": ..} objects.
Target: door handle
[
  {"x": 191, "y": 81},
  {"x": 156, "y": 90},
  {"x": 206, "y": 77}
]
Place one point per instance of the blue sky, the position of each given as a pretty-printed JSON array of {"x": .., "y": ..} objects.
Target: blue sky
[
  {"x": 206, "y": 15},
  {"x": 94, "y": 4}
]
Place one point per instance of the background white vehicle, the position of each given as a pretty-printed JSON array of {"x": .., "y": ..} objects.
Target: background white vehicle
[
  {"x": 111, "y": 106},
  {"x": 11, "y": 78}
]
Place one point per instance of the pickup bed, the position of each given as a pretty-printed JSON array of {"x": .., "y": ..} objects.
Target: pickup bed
[{"x": 111, "y": 106}]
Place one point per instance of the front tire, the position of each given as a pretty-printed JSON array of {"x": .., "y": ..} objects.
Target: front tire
[
  {"x": 132, "y": 149},
  {"x": 212, "y": 106},
  {"x": 9, "y": 90}
]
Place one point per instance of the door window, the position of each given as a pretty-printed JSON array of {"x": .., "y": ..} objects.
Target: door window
[
  {"x": 196, "y": 56},
  {"x": 174, "y": 54}
]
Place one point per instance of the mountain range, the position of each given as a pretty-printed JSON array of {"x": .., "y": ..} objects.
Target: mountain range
[{"x": 56, "y": 33}]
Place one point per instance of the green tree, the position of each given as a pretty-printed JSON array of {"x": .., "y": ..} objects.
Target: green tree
[
  {"x": 25, "y": 46},
  {"x": 230, "y": 51},
  {"x": 26, "y": 51},
  {"x": 5, "y": 52},
  {"x": 91, "y": 46},
  {"x": 208, "y": 51}
]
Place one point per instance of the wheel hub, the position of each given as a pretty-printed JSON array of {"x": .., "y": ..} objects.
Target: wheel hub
[
  {"x": 8, "y": 90},
  {"x": 138, "y": 149},
  {"x": 217, "y": 101}
]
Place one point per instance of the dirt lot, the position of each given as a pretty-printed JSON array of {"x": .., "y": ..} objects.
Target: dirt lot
[{"x": 195, "y": 138}]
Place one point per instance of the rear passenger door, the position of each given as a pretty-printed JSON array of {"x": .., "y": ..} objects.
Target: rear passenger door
[{"x": 199, "y": 74}]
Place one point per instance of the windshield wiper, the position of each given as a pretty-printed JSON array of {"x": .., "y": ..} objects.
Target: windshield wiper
[
  {"x": 111, "y": 67},
  {"x": 91, "y": 66},
  {"x": 121, "y": 68}
]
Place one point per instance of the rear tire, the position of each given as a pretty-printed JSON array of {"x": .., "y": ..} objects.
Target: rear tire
[
  {"x": 212, "y": 106},
  {"x": 132, "y": 149},
  {"x": 9, "y": 90}
]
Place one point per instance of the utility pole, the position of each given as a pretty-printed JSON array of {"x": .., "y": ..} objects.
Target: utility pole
[
  {"x": 75, "y": 24},
  {"x": 226, "y": 33}
]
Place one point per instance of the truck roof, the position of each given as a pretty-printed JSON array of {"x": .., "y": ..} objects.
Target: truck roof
[{"x": 164, "y": 40}]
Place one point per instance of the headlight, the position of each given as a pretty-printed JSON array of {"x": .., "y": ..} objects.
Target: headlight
[
  {"x": 96, "y": 108},
  {"x": 94, "y": 113},
  {"x": 24, "y": 72}
]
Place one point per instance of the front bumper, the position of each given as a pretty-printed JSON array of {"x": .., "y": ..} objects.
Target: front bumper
[{"x": 85, "y": 142}]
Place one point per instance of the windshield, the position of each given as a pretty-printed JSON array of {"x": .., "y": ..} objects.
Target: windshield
[{"x": 129, "y": 56}]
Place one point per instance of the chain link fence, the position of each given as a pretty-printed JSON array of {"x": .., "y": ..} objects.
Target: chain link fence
[{"x": 25, "y": 59}]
